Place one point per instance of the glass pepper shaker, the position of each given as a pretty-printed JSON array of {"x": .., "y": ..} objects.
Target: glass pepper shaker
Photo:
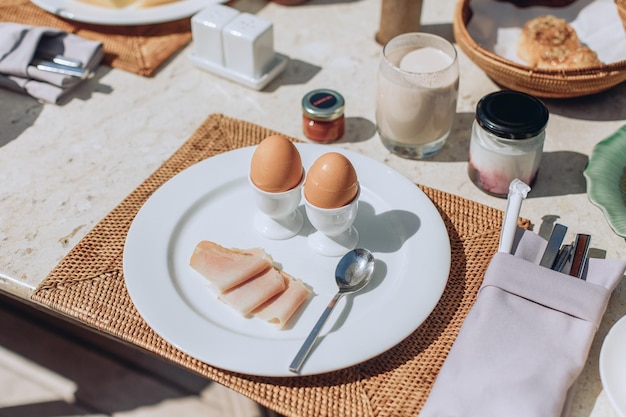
[{"x": 507, "y": 140}]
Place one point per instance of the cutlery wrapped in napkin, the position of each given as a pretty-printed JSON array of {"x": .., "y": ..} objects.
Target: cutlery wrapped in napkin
[
  {"x": 23, "y": 46},
  {"x": 525, "y": 340}
]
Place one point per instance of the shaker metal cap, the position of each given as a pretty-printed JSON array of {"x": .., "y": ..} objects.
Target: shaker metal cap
[
  {"x": 512, "y": 114},
  {"x": 323, "y": 104}
]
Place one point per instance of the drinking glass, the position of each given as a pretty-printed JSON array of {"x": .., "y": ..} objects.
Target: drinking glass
[{"x": 418, "y": 83}]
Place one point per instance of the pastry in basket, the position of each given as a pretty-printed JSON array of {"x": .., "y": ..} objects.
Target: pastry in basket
[
  {"x": 548, "y": 42},
  {"x": 249, "y": 282}
]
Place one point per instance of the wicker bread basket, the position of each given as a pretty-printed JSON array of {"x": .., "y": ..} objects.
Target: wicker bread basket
[{"x": 541, "y": 83}]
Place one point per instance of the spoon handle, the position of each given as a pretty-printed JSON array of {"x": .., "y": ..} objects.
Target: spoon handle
[{"x": 304, "y": 351}]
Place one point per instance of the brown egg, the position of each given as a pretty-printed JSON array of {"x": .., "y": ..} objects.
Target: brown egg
[
  {"x": 331, "y": 182},
  {"x": 276, "y": 165}
]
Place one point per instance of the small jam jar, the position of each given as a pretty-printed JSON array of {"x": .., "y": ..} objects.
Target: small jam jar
[
  {"x": 507, "y": 141},
  {"x": 322, "y": 115}
]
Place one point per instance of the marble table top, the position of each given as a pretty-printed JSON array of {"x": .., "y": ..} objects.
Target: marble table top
[{"x": 63, "y": 168}]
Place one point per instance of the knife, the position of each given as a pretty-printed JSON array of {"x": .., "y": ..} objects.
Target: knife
[
  {"x": 553, "y": 246},
  {"x": 562, "y": 258},
  {"x": 581, "y": 248},
  {"x": 61, "y": 60},
  {"x": 50, "y": 66}
]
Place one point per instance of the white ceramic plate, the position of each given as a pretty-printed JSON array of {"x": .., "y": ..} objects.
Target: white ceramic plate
[
  {"x": 213, "y": 200},
  {"x": 82, "y": 12},
  {"x": 613, "y": 366}
]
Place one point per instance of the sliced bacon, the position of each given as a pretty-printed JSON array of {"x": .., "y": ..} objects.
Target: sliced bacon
[
  {"x": 282, "y": 307},
  {"x": 227, "y": 268},
  {"x": 256, "y": 291},
  {"x": 248, "y": 281}
]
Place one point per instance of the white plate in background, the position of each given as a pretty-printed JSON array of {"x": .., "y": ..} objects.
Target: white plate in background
[
  {"x": 127, "y": 16},
  {"x": 613, "y": 366}
]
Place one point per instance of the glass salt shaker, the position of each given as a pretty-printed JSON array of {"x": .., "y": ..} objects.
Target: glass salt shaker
[{"x": 507, "y": 141}]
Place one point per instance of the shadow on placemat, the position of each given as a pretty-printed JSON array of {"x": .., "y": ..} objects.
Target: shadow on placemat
[
  {"x": 88, "y": 285},
  {"x": 138, "y": 49}
]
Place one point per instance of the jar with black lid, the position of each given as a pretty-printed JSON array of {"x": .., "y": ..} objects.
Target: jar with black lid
[{"x": 507, "y": 140}]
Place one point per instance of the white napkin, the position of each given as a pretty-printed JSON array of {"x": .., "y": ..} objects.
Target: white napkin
[
  {"x": 19, "y": 44},
  {"x": 525, "y": 340}
]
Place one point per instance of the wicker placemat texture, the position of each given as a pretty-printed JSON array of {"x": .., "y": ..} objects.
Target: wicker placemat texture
[
  {"x": 88, "y": 285},
  {"x": 140, "y": 49}
]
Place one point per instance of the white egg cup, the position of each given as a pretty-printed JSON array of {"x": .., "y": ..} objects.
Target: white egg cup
[
  {"x": 335, "y": 234},
  {"x": 278, "y": 217}
]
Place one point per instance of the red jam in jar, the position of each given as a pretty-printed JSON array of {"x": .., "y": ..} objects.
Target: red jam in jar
[{"x": 322, "y": 115}]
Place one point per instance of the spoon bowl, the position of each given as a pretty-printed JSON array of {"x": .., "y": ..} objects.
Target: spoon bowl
[{"x": 354, "y": 271}]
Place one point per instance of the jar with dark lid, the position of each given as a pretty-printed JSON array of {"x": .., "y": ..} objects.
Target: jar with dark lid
[
  {"x": 507, "y": 140},
  {"x": 322, "y": 115}
]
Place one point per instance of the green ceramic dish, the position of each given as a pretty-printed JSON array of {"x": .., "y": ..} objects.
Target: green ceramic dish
[{"x": 605, "y": 179}]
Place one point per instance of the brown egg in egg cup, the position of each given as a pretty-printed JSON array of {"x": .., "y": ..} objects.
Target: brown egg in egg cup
[
  {"x": 277, "y": 177},
  {"x": 331, "y": 195}
]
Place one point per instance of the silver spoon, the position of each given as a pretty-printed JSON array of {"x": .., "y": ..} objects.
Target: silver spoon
[{"x": 354, "y": 271}]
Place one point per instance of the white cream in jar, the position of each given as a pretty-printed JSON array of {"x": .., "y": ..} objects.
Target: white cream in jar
[{"x": 507, "y": 141}]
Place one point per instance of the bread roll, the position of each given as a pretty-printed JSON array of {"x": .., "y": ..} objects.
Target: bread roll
[
  {"x": 548, "y": 42},
  {"x": 581, "y": 57}
]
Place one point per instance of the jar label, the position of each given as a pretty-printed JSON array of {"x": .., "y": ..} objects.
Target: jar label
[{"x": 323, "y": 100}]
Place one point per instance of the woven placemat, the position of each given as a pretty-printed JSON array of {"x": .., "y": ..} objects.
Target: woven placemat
[
  {"x": 140, "y": 49},
  {"x": 88, "y": 285}
]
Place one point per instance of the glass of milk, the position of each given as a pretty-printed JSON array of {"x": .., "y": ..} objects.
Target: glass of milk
[{"x": 418, "y": 83}]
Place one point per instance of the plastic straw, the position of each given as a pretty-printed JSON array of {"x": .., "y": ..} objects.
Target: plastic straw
[{"x": 518, "y": 190}]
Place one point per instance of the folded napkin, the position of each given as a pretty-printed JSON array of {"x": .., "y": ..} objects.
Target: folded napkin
[
  {"x": 19, "y": 44},
  {"x": 525, "y": 340}
]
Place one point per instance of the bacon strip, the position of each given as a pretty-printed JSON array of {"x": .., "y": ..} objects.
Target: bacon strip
[
  {"x": 248, "y": 282},
  {"x": 282, "y": 307},
  {"x": 227, "y": 268},
  {"x": 256, "y": 291}
]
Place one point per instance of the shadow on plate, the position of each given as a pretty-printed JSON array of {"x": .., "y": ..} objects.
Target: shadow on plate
[
  {"x": 385, "y": 232},
  {"x": 380, "y": 272},
  {"x": 379, "y": 232}
]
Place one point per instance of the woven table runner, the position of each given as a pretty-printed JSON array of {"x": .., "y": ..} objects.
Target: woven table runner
[
  {"x": 140, "y": 49},
  {"x": 88, "y": 285}
]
